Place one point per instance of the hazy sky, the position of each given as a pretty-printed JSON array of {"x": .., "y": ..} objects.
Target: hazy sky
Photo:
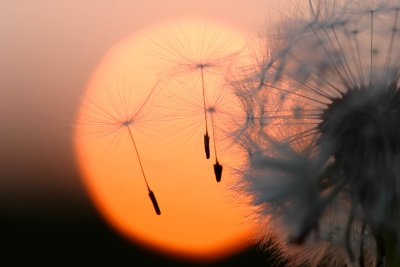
[{"x": 48, "y": 50}]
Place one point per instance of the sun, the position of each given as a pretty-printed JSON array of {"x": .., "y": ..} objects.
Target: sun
[{"x": 123, "y": 154}]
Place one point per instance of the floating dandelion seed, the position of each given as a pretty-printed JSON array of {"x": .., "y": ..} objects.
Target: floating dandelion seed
[
  {"x": 202, "y": 50},
  {"x": 186, "y": 110},
  {"x": 116, "y": 115},
  {"x": 324, "y": 168}
]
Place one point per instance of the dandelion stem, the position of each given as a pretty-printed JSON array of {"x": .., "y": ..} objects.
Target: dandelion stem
[
  {"x": 137, "y": 154},
  {"x": 371, "y": 46},
  {"x": 206, "y": 137},
  {"x": 151, "y": 194},
  {"x": 213, "y": 135},
  {"x": 348, "y": 235},
  {"x": 361, "y": 259},
  {"x": 204, "y": 96},
  {"x": 381, "y": 252},
  {"x": 394, "y": 30}
]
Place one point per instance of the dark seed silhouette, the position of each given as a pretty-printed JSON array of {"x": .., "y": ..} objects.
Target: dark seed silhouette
[
  {"x": 205, "y": 55},
  {"x": 155, "y": 203},
  {"x": 218, "y": 171},
  {"x": 217, "y": 166},
  {"x": 207, "y": 145}
]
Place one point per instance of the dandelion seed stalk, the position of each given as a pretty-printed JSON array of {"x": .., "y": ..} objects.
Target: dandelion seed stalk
[
  {"x": 206, "y": 136},
  {"x": 151, "y": 193},
  {"x": 217, "y": 166}
]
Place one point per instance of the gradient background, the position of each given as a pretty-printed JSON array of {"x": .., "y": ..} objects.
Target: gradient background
[{"x": 48, "y": 50}]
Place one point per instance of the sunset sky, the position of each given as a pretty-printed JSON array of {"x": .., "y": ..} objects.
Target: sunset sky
[{"x": 50, "y": 52}]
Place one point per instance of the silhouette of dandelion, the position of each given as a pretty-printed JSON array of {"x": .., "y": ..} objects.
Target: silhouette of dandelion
[
  {"x": 325, "y": 138},
  {"x": 201, "y": 50},
  {"x": 116, "y": 114}
]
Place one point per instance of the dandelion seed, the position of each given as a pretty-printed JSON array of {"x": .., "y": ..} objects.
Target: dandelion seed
[
  {"x": 199, "y": 49},
  {"x": 207, "y": 144},
  {"x": 118, "y": 116},
  {"x": 151, "y": 194},
  {"x": 187, "y": 114},
  {"x": 325, "y": 167},
  {"x": 217, "y": 166}
]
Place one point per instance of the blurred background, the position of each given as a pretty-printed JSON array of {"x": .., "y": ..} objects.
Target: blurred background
[{"x": 48, "y": 50}]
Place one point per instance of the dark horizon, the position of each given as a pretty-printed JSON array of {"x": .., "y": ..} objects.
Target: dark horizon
[{"x": 61, "y": 232}]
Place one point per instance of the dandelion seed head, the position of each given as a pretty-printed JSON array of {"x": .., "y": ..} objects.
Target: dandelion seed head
[
  {"x": 324, "y": 135},
  {"x": 187, "y": 47},
  {"x": 363, "y": 121}
]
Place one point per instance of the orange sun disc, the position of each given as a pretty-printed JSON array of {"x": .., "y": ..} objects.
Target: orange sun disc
[{"x": 125, "y": 152}]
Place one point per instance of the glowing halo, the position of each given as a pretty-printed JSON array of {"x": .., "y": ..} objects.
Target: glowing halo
[{"x": 197, "y": 220}]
